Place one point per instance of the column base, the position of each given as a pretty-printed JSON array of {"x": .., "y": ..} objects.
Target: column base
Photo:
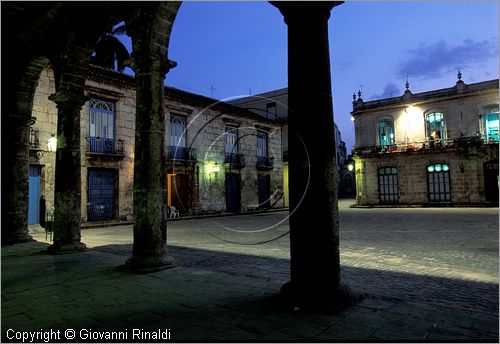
[
  {"x": 316, "y": 299},
  {"x": 17, "y": 238},
  {"x": 145, "y": 265},
  {"x": 57, "y": 248}
]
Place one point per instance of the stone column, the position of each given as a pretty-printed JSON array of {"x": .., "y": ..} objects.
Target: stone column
[
  {"x": 314, "y": 228},
  {"x": 15, "y": 179},
  {"x": 67, "y": 188},
  {"x": 150, "y": 212}
]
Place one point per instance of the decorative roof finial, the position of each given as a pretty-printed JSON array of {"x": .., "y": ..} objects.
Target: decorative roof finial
[
  {"x": 407, "y": 84},
  {"x": 459, "y": 75},
  {"x": 359, "y": 94},
  {"x": 354, "y": 96}
]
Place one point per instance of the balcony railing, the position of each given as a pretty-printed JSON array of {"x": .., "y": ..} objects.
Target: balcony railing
[
  {"x": 265, "y": 163},
  {"x": 97, "y": 146},
  {"x": 234, "y": 160},
  {"x": 181, "y": 153},
  {"x": 462, "y": 142},
  {"x": 34, "y": 139}
]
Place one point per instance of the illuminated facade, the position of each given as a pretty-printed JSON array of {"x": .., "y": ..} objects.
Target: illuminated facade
[
  {"x": 219, "y": 157},
  {"x": 431, "y": 148},
  {"x": 274, "y": 105}
]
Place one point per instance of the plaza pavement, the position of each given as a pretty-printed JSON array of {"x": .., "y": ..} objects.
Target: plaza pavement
[{"x": 427, "y": 274}]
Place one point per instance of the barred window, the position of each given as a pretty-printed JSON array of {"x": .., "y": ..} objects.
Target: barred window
[
  {"x": 388, "y": 185},
  {"x": 439, "y": 183}
]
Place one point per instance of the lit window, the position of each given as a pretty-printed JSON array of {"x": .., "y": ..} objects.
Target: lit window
[
  {"x": 439, "y": 183},
  {"x": 385, "y": 133},
  {"x": 388, "y": 185},
  {"x": 435, "y": 126},
  {"x": 490, "y": 124}
]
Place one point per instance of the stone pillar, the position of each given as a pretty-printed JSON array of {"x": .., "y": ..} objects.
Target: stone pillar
[
  {"x": 150, "y": 207},
  {"x": 15, "y": 153},
  {"x": 67, "y": 188},
  {"x": 314, "y": 228}
]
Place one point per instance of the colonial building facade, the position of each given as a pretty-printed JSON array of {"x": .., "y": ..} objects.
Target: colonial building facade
[
  {"x": 274, "y": 105},
  {"x": 220, "y": 158},
  {"x": 432, "y": 148}
]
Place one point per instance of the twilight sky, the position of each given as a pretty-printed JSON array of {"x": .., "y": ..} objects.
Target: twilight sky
[{"x": 241, "y": 46}]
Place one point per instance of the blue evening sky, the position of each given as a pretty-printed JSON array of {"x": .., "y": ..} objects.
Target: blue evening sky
[{"x": 241, "y": 46}]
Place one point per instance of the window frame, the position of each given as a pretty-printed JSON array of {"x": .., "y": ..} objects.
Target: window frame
[
  {"x": 487, "y": 111},
  {"x": 428, "y": 131},
  {"x": 262, "y": 137},
  {"x": 441, "y": 179},
  {"x": 388, "y": 184},
  {"x": 231, "y": 131},
  {"x": 98, "y": 108},
  {"x": 390, "y": 122},
  {"x": 177, "y": 124}
]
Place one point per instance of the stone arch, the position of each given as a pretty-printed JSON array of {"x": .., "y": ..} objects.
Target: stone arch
[{"x": 15, "y": 136}]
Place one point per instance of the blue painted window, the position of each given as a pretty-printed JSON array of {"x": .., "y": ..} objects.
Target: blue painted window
[
  {"x": 101, "y": 126},
  {"x": 177, "y": 137}
]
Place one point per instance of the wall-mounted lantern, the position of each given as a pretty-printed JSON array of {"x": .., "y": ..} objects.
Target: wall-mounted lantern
[{"x": 52, "y": 143}]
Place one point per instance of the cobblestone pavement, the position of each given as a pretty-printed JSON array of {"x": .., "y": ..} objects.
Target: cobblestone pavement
[{"x": 429, "y": 274}]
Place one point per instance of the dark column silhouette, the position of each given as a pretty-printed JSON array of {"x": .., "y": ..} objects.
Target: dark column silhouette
[
  {"x": 150, "y": 64},
  {"x": 70, "y": 70},
  {"x": 67, "y": 188},
  {"x": 314, "y": 232}
]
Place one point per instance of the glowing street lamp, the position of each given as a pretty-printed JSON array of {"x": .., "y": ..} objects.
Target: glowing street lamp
[{"x": 52, "y": 143}]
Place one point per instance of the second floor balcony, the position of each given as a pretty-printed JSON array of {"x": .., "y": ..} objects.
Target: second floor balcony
[
  {"x": 233, "y": 160},
  {"x": 429, "y": 145},
  {"x": 98, "y": 147},
  {"x": 265, "y": 163},
  {"x": 178, "y": 153}
]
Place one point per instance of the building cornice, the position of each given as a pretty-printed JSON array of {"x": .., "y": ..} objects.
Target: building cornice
[{"x": 461, "y": 90}]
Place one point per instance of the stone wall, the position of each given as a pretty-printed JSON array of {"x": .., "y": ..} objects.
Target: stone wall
[
  {"x": 123, "y": 96},
  {"x": 45, "y": 112},
  {"x": 205, "y": 129},
  {"x": 466, "y": 174},
  {"x": 462, "y": 117},
  {"x": 205, "y": 134}
]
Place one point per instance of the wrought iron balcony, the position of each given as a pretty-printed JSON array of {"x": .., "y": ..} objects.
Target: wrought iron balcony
[
  {"x": 104, "y": 147},
  {"x": 430, "y": 145},
  {"x": 178, "y": 153},
  {"x": 234, "y": 160},
  {"x": 265, "y": 163},
  {"x": 34, "y": 139}
]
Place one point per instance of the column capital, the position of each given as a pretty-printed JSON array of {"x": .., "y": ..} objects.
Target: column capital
[
  {"x": 67, "y": 100},
  {"x": 149, "y": 62},
  {"x": 302, "y": 12}
]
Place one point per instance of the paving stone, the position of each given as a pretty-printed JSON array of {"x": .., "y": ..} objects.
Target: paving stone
[{"x": 229, "y": 292}]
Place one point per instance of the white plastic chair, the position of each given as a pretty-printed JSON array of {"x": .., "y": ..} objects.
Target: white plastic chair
[{"x": 174, "y": 213}]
